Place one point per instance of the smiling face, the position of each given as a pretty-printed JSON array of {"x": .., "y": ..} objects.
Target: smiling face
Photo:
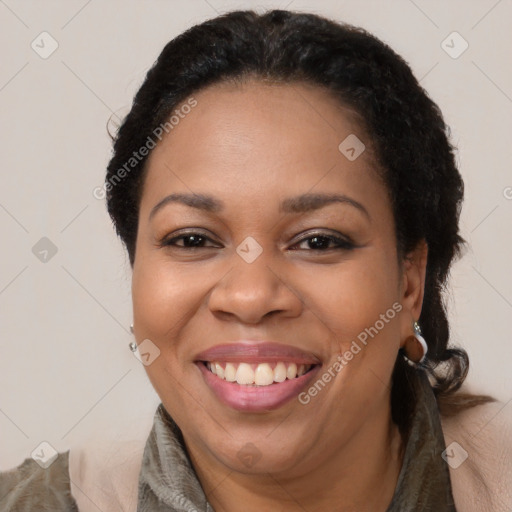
[{"x": 313, "y": 277}]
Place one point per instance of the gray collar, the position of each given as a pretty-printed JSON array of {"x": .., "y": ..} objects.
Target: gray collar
[{"x": 168, "y": 482}]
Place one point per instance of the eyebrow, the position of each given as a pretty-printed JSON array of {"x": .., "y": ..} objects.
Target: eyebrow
[
  {"x": 300, "y": 204},
  {"x": 199, "y": 201}
]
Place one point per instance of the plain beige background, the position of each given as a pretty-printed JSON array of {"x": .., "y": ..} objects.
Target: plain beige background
[{"x": 66, "y": 373}]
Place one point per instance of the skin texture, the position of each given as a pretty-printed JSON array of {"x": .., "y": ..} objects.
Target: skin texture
[{"x": 251, "y": 146}]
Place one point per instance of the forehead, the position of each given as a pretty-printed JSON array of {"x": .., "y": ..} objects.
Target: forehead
[
  {"x": 257, "y": 137},
  {"x": 255, "y": 110}
]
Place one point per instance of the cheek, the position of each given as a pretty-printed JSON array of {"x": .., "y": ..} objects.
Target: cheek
[
  {"x": 161, "y": 295},
  {"x": 164, "y": 302},
  {"x": 352, "y": 296},
  {"x": 360, "y": 305},
  {"x": 169, "y": 308}
]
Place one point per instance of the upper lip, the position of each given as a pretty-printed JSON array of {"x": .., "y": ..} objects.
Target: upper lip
[{"x": 260, "y": 351}]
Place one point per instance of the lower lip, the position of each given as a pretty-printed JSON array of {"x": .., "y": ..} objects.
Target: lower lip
[{"x": 256, "y": 398}]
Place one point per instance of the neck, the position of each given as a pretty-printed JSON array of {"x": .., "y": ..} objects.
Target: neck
[{"x": 361, "y": 475}]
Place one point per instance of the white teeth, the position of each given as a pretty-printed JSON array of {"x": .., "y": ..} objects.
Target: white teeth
[
  {"x": 230, "y": 372},
  {"x": 261, "y": 374},
  {"x": 291, "y": 371},
  {"x": 264, "y": 375},
  {"x": 245, "y": 374},
  {"x": 280, "y": 372},
  {"x": 219, "y": 371}
]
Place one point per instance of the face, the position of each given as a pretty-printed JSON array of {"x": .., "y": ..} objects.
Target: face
[{"x": 294, "y": 300}]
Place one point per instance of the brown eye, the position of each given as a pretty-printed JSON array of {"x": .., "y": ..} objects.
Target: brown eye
[
  {"x": 189, "y": 241},
  {"x": 320, "y": 242}
]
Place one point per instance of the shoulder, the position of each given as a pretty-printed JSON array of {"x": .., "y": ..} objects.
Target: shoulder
[
  {"x": 479, "y": 454},
  {"x": 100, "y": 472},
  {"x": 106, "y": 474},
  {"x": 104, "y": 467},
  {"x": 31, "y": 487}
]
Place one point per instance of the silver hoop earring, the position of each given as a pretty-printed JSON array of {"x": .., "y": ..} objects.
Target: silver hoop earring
[
  {"x": 132, "y": 345},
  {"x": 415, "y": 348}
]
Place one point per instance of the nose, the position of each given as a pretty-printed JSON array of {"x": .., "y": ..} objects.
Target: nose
[{"x": 250, "y": 292}]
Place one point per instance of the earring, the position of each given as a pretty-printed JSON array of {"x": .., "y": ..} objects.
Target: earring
[
  {"x": 415, "y": 348},
  {"x": 132, "y": 344}
]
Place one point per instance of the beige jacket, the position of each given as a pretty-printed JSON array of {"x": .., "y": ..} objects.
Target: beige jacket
[{"x": 483, "y": 481}]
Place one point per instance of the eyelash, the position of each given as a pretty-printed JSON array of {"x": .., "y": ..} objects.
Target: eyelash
[{"x": 342, "y": 243}]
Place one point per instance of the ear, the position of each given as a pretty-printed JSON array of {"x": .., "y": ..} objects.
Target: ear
[{"x": 413, "y": 286}]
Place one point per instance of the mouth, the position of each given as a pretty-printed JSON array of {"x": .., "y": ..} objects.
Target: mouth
[
  {"x": 261, "y": 374},
  {"x": 256, "y": 377}
]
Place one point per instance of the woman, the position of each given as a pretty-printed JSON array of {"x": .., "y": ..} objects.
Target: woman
[{"x": 289, "y": 202}]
